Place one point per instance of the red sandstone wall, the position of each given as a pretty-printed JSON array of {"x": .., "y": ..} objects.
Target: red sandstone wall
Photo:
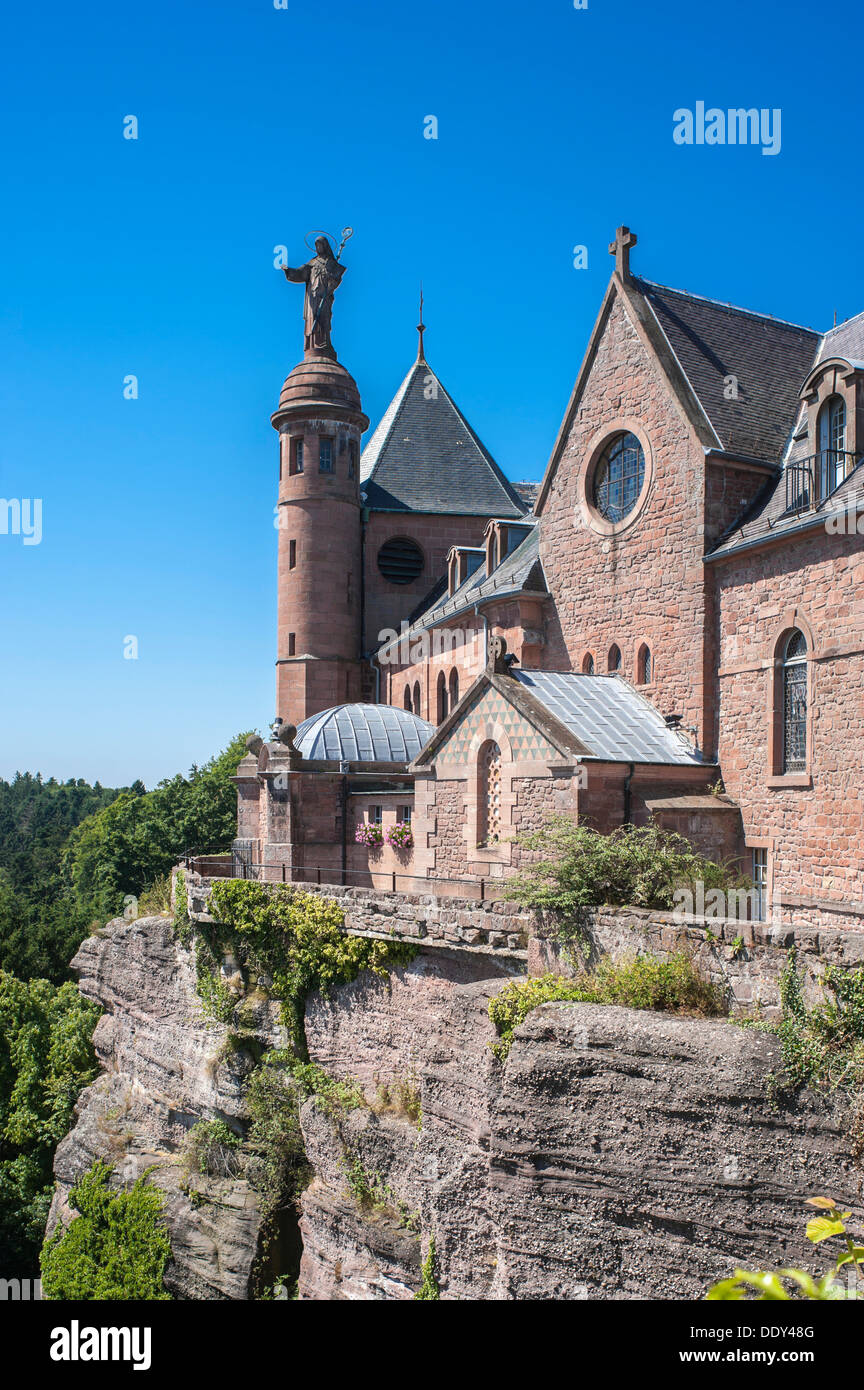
[
  {"x": 646, "y": 584},
  {"x": 387, "y": 604},
  {"x": 815, "y": 829}
]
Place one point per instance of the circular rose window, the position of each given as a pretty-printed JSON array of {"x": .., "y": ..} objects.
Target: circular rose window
[{"x": 618, "y": 478}]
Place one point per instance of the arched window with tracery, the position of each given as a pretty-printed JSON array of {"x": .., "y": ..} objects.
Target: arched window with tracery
[
  {"x": 441, "y": 689},
  {"x": 614, "y": 662},
  {"x": 406, "y": 699},
  {"x": 489, "y": 819},
  {"x": 417, "y": 709},
  {"x": 795, "y": 702},
  {"x": 454, "y": 688}
]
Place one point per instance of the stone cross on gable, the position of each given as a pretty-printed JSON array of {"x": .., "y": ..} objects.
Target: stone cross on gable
[{"x": 620, "y": 249}]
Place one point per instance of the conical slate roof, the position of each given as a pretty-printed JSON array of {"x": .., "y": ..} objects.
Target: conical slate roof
[{"x": 425, "y": 457}]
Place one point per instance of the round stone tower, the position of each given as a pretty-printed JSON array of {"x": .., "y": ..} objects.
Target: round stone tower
[{"x": 320, "y": 422}]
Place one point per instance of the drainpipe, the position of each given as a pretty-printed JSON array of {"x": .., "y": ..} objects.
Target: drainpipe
[
  {"x": 343, "y": 797},
  {"x": 627, "y": 780}
]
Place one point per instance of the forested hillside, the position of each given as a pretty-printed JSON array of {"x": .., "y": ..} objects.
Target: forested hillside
[{"x": 70, "y": 857}]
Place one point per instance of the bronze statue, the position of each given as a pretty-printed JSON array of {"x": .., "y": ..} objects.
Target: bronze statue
[{"x": 321, "y": 277}]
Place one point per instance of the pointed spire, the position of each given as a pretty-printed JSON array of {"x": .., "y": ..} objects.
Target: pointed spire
[{"x": 421, "y": 329}]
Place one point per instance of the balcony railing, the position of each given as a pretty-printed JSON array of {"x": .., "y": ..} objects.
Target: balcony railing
[{"x": 810, "y": 481}]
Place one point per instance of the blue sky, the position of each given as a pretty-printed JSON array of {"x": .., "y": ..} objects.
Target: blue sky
[{"x": 155, "y": 258}]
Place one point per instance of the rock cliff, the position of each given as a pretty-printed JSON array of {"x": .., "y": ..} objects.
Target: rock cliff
[{"x": 616, "y": 1154}]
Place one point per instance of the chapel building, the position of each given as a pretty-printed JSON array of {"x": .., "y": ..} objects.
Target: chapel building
[{"x": 671, "y": 628}]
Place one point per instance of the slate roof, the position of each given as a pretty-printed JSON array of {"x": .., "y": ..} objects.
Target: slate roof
[
  {"x": 769, "y": 357},
  {"x": 519, "y": 571},
  {"x": 363, "y": 733},
  {"x": 425, "y": 457},
  {"x": 609, "y": 717}
]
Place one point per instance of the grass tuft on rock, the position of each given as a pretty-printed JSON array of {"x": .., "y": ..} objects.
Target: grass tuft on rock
[{"x": 667, "y": 986}]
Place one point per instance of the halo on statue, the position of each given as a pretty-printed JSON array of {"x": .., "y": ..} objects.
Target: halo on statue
[{"x": 347, "y": 233}]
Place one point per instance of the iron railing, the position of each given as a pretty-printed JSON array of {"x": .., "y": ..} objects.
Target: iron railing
[
  {"x": 329, "y": 875},
  {"x": 811, "y": 480}
]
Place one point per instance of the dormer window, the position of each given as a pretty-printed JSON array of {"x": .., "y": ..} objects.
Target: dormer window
[{"x": 831, "y": 459}]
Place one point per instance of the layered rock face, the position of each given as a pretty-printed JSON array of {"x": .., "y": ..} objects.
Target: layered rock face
[
  {"x": 165, "y": 1067},
  {"x": 616, "y": 1154}
]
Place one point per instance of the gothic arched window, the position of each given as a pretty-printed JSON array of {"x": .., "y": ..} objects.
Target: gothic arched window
[
  {"x": 417, "y": 697},
  {"x": 442, "y": 697},
  {"x": 588, "y": 664},
  {"x": 644, "y": 665},
  {"x": 489, "y": 807},
  {"x": 406, "y": 699},
  {"x": 795, "y": 702},
  {"x": 614, "y": 661},
  {"x": 454, "y": 688}
]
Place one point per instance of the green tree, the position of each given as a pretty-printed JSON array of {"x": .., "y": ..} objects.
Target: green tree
[
  {"x": 46, "y": 1057},
  {"x": 115, "y": 1249}
]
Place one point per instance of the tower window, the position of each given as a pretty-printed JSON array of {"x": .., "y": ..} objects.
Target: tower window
[
  {"x": 325, "y": 455},
  {"x": 795, "y": 703},
  {"x": 352, "y": 458},
  {"x": 292, "y": 555},
  {"x": 296, "y": 465},
  {"x": 291, "y": 643}
]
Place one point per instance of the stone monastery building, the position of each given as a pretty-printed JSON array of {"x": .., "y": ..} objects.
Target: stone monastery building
[{"x": 673, "y": 626}]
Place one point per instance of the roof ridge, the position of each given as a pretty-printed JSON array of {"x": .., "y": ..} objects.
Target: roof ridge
[
  {"x": 844, "y": 323},
  {"x": 730, "y": 307},
  {"x": 387, "y": 423}
]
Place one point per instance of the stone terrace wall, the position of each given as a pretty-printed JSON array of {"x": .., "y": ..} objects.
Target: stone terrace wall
[
  {"x": 745, "y": 958},
  {"x": 487, "y": 928}
]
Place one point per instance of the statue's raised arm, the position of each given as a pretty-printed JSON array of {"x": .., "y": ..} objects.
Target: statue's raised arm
[{"x": 321, "y": 277}]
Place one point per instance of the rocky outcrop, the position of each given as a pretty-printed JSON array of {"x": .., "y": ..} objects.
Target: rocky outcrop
[
  {"x": 165, "y": 1067},
  {"x": 617, "y": 1154}
]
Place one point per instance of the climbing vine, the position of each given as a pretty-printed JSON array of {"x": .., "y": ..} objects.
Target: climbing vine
[{"x": 297, "y": 940}]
